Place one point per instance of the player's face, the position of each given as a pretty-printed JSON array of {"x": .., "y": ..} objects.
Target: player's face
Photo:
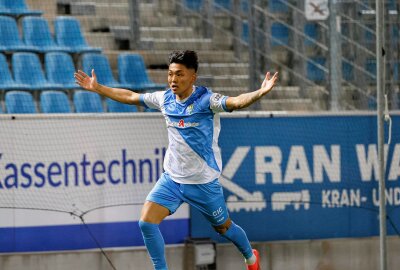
[{"x": 181, "y": 80}]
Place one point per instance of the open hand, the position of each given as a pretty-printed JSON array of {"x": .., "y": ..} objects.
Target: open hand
[
  {"x": 85, "y": 81},
  {"x": 269, "y": 82}
]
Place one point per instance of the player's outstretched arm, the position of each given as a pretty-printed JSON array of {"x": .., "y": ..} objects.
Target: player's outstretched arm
[
  {"x": 245, "y": 100},
  {"x": 118, "y": 94}
]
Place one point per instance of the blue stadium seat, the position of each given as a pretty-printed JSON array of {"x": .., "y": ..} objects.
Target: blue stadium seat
[
  {"x": 19, "y": 102},
  {"x": 311, "y": 32},
  {"x": 347, "y": 71},
  {"x": 68, "y": 34},
  {"x": 9, "y": 36},
  {"x": 101, "y": 65},
  {"x": 370, "y": 67},
  {"x": 280, "y": 34},
  {"x": 277, "y": 6},
  {"x": 197, "y": 5},
  {"x": 315, "y": 73},
  {"x": 244, "y": 5},
  {"x": 396, "y": 71},
  {"x": 245, "y": 31},
  {"x": 54, "y": 102},
  {"x": 118, "y": 107},
  {"x": 369, "y": 35},
  {"x": 36, "y": 33},
  {"x": 394, "y": 36},
  {"x": 17, "y": 8},
  {"x": 391, "y": 5},
  {"x": 1, "y": 109},
  {"x": 87, "y": 102},
  {"x": 222, "y": 4},
  {"x": 27, "y": 69},
  {"x": 132, "y": 72},
  {"x": 60, "y": 69},
  {"x": 6, "y": 80},
  {"x": 194, "y": 4}
]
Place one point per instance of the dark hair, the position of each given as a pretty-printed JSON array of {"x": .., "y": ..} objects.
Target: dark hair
[{"x": 186, "y": 58}]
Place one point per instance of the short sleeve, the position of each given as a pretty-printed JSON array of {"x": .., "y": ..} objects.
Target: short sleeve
[
  {"x": 218, "y": 103},
  {"x": 152, "y": 100}
]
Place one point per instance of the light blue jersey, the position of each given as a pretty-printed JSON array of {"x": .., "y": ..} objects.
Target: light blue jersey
[{"x": 193, "y": 155}]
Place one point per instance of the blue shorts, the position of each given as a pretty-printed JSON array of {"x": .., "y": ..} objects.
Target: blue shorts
[{"x": 207, "y": 198}]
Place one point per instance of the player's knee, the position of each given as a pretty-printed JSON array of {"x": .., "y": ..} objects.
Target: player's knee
[
  {"x": 221, "y": 229},
  {"x": 146, "y": 227},
  {"x": 143, "y": 225}
]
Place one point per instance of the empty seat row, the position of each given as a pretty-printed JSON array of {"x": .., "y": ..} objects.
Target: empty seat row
[
  {"x": 17, "y": 8},
  {"x": 22, "y": 102},
  {"x": 37, "y": 37},
  {"x": 280, "y": 33},
  {"x": 59, "y": 69},
  {"x": 316, "y": 74}
]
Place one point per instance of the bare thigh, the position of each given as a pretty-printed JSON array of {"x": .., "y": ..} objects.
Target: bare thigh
[{"x": 153, "y": 212}]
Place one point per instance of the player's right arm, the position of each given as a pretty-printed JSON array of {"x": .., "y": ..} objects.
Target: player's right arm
[{"x": 118, "y": 94}]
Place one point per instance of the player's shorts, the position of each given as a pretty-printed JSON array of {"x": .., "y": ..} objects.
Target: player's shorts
[{"x": 207, "y": 198}]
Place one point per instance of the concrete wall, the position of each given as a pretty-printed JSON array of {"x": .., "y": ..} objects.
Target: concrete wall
[{"x": 337, "y": 254}]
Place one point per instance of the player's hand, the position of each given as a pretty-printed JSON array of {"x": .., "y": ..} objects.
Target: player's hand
[
  {"x": 85, "y": 81},
  {"x": 269, "y": 82}
]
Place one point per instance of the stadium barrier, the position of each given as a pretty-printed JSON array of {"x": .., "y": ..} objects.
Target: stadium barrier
[{"x": 285, "y": 177}]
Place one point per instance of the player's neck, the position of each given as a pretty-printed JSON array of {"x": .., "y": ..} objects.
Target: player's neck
[{"x": 183, "y": 96}]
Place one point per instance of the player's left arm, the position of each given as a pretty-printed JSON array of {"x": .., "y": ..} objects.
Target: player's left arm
[{"x": 245, "y": 100}]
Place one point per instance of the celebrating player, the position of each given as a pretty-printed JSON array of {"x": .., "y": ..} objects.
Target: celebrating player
[{"x": 192, "y": 162}]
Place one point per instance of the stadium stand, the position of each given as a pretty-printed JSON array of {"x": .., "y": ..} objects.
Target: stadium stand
[
  {"x": 133, "y": 73},
  {"x": 101, "y": 65},
  {"x": 19, "y": 102},
  {"x": 54, "y": 102},
  {"x": 220, "y": 68},
  {"x": 87, "y": 102},
  {"x": 6, "y": 80},
  {"x": 60, "y": 69},
  {"x": 10, "y": 40},
  {"x": 36, "y": 33},
  {"x": 68, "y": 34},
  {"x": 27, "y": 69},
  {"x": 17, "y": 8},
  {"x": 118, "y": 107}
]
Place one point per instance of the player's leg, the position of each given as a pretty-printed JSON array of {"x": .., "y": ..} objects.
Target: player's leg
[
  {"x": 238, "y": 237},
  {"x": 161, "y": 202},
  {"x": 151, "y": 217},
  {"x": 209, "y": 199}
]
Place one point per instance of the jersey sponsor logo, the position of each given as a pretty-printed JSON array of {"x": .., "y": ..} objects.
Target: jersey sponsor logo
[{"x": 181, "y": 124}]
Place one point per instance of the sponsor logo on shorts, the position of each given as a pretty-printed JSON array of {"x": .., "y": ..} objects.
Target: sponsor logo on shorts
[{"x": 218, "y": 212}]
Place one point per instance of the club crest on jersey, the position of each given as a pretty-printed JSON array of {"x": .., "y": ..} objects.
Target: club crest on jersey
[{"x": 189, "y": 109}]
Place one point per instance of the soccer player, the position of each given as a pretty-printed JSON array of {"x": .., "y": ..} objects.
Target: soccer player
[{"x": 192, "y": 162}]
